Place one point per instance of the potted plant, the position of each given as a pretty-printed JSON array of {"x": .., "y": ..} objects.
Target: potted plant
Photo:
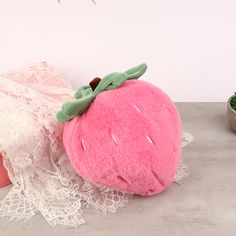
[{"x": 231, "y": 107}]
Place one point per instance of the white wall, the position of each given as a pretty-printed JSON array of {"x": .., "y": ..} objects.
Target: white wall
[{"x": 189, "y": 45}]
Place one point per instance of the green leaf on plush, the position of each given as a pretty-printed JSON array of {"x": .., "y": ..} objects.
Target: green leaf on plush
[{"x": 85, "y": 95}]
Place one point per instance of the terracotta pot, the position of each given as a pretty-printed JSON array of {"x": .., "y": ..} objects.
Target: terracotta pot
[
  {"x": 4, "y": 180},
  {"x": 231, "y": 116}
]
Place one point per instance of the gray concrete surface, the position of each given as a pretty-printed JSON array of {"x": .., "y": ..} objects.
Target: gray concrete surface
[{"x": 204, "y": 205}]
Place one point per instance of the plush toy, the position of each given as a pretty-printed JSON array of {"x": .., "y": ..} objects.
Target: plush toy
[{"x": 123, "y": 133}]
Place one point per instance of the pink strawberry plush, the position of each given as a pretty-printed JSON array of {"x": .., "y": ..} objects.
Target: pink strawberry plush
[{"x": 123, "y": 133}]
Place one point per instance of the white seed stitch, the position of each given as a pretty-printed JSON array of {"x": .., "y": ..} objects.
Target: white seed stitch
[
  {"x": 150, "y": 140},
  {"x": 82, "y": 143},
  {"x": 136, "y": 108},
  {"x": 114, "y": 138}
]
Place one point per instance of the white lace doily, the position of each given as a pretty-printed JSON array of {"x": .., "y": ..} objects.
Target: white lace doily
[{"x": 33, "y": 153}]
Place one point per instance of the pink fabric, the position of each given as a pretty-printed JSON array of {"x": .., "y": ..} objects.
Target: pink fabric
[
  {"x": 4, "y": 179},
  {"x": 129, "y": 139}
]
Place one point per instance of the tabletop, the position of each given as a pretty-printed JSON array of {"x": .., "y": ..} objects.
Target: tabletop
[{"x": 204, "y": 204}]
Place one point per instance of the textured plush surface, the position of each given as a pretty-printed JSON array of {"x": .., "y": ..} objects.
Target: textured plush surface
[{"x": 129, "y": 139}]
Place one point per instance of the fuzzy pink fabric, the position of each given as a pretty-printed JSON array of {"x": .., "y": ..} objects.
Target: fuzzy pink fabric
[{"x": 129, "y": 139}]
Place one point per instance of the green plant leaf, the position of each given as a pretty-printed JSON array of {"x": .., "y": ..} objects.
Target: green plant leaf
[{"x": 233, "y": 101}]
